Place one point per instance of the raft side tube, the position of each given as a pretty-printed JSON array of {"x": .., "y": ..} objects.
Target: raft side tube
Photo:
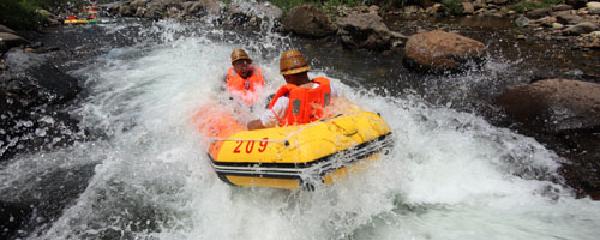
[{"x": 325, "y": 170}]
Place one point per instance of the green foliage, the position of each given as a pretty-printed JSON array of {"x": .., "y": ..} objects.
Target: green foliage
[
  {"x": 19, "y": 14},
  {"x": 393, "y": 3},
  {"x": 453, "y": 7},
  {"x": 288, "y": 4},
  {"x": 333, "y": 3},
  {"x": 528, "y": 5}
]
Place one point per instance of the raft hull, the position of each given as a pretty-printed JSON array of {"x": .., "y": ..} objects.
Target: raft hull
[
  {"x": 295, "y": 156},
  {"x": 324, "y": 171}
]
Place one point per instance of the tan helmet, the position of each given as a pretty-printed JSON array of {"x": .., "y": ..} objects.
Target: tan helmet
[
  {"x": 239, "y": 54},
  {"x": 293, "y": 62}
]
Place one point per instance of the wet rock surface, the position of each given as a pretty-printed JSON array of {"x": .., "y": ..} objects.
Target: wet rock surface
[
  {"x": 37, "y": 92},
  {"x": 581, "y": 28},
  {"x": 36, "y": 89},
  {"x": 201, "y": 8},
  {"x": 563, "y": 113},
  {"x": 6, "y": 29},
  {"x": 364, "y": 28},
  {"x": 9, "y": 40},
  {"x": 528, "y": 58},
  {"x": 309, "y": 21},
  {"x": 166, "y": 8},
  {"x": 33, "y": 91},
  {"x": 591, "y": 40},
  {"x": 440, "y": 50},
  {"x": 555, "y": 105},
  {"x": 50, "y": 193},
  {"x": 593, "y": 7}
]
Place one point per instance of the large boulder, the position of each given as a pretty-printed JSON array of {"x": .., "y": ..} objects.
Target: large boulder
[
  {"x": 308, "y": 20},
  {"x": 567, "y": 17},
  {"x": 28, "y": 72},
  {"x": 591, "y": 40},
  {"x": 562, "y": 7},
  {"x": 163, "y": 4},
  {"x": 440, "y": 50},
  {"x": 555, "y": 105},
  {"x": 202, "y": 7},
  {"x": 522, "y": 21},
  {"x": 138, "y": 3},
  {"x": 547, "y": 21},
  {"x": 159, "y": 8},
  {"x": 581, "y": 28},
  {"x": 126, "y": 10},
  {"x": 468, "y": 7},
  {"x": 539, "y": 13},
  {"x": 593, "y": 7},
  {"x": 576, "y": 3},
  {"x": 137, "y": 8},
  {"x": 9, "y": 40},
  {"x": 364, "y": 28},
  {"x": 139, "y": 12},
  {"x": 6, "y": 29}
]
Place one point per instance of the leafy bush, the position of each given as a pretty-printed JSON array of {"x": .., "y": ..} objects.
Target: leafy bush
[
  {"x": 288, "y": 4},
  {"x": 453, "y": 7},
  {"x": 342, "y": 2},
  {"x": 19, "y": 15}
]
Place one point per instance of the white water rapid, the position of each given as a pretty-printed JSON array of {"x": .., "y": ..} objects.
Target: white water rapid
[{"x": 450, "y": 175}]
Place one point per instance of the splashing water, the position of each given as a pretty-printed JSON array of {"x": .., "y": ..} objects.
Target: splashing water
[{"x": 450, "y": 175}]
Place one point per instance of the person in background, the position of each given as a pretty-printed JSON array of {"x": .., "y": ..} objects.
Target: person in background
[
  {"x": 244, "y": 81},
  {"x": 302, "y": 100}
]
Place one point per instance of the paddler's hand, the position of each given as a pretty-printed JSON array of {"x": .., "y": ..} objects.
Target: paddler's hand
[{"x": 255, "y": 124}]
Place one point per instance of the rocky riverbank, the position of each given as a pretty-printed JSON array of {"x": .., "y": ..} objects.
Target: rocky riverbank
[{"x": 38, "y": 90}]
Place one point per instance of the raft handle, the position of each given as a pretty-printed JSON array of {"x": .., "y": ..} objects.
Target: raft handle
[{"x": 327, "y": 119}]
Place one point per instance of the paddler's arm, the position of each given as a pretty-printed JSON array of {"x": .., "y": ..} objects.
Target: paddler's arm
[{"x": 269, "y": 117}]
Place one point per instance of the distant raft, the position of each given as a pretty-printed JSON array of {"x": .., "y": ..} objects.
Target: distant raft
[
  {"x": 75, "y": 21},
  {"x": 292, "y": 157}
]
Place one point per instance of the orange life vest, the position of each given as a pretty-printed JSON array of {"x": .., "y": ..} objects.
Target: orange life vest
[
  {"x": 245, "y": 88},
  {"x": 305, "y": 104}
]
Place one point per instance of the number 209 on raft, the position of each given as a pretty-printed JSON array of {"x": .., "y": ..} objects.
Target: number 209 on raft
[{"x": 248, "y": 145}]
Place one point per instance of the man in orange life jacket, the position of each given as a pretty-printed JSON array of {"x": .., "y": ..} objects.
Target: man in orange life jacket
[
  {"x": 301, "y": 100},
  {"x": 244, "y": 81}
]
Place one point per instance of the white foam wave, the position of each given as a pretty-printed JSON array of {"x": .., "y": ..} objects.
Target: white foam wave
[{"x": 450, "y": 175}]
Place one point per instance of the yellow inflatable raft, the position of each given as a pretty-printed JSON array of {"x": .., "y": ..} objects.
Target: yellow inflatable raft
[
  {"x": 80, "y": 21},
  {"x": 294, "y": 156}
]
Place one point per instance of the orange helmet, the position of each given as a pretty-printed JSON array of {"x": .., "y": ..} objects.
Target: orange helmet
[
  {"x": 239, "y": 54},
  {"x": 293, "y": 62}
]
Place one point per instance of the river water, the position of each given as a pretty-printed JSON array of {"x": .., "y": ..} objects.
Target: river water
[{"x": 144, "y": 174}]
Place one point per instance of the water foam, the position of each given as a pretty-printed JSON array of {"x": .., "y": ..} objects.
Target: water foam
[{"x": 450, "y": 175}]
